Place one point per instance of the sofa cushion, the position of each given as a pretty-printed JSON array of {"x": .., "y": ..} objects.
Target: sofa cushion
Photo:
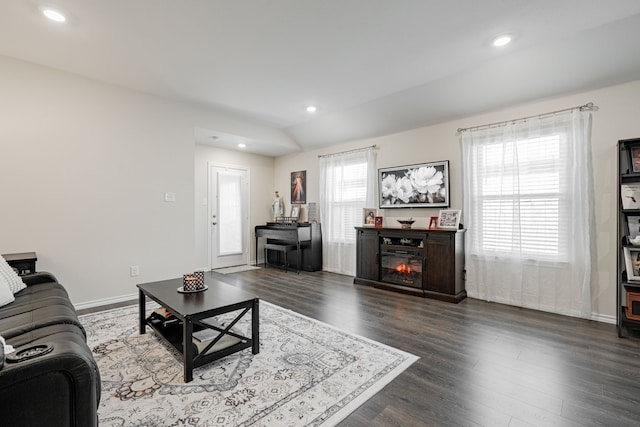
[
  {"x": 43, "y": 290},
  {"x": 37, "y": 296},
  {"x": 9, "y": 277},
  {"x": 37, "y": 318},
  {"x": 43, "y": 334}
]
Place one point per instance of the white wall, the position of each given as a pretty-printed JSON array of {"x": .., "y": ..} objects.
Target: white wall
[
  {"x": 618, "y": 118},
  {"x": 84, "y": 167}
]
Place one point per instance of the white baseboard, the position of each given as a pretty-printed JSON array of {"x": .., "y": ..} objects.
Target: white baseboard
[
  {"x": 604, "y": 318},
  {"x": 106, "y": 301}
]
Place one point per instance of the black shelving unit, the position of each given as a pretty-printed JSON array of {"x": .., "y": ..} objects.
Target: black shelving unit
[{"x": 628, "y": 174}]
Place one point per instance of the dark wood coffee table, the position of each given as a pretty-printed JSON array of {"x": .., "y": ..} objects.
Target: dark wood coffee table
[{"x": 191, "y": 309}]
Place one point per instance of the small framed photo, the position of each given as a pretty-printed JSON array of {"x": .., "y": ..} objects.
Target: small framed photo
[
  {"x": 295, "y": 212},
  {"x": 633, "y": 224},
  {"x": 634, "y": 152},
  {"x": 433, "y": 223},
  {"x": 632, "y": 262},
  {"x": 368, "y": 217},
  {"x": 630, "y": 194},
  {"x": 377, "y": 221},
  {"x": 449, "y": 219}
]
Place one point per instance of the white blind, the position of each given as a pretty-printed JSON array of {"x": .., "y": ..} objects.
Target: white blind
[
  {"x": 348, "y": 182},
  {"x": 519, "y": 199}
]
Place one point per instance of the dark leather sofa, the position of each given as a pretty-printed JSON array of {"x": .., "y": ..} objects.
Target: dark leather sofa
[{"x": 61, "y": 387}]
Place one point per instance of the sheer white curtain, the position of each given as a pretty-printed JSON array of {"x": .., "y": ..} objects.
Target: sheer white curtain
[
  {"x": 528, "y": 208},
  {"x": 347, "y": 185}
]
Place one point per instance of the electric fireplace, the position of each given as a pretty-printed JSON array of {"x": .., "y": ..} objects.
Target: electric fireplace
[
  {"x": 402, "y": 267},
  {"x": 416, "y": 261}
]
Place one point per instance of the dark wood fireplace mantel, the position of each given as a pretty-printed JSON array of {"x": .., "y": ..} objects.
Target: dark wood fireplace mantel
[{"x": 427, "y": 263}]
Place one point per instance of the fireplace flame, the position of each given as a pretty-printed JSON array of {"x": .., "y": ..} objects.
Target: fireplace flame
[{"x": 403, "y": 268}]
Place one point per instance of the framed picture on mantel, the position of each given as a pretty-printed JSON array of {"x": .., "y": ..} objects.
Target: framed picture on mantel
[
  {"x": 368, "y": 217},
  {"x": 433, "y": 223},
  {"x": 449, "y": 219}
]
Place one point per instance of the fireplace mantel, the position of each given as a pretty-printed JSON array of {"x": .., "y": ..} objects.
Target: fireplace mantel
[{"x": 427, "y": 263}]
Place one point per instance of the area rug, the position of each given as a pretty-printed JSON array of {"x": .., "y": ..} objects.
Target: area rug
[
  {"x": 236, "y": 269},
  {"x": 307, "y": 373}
]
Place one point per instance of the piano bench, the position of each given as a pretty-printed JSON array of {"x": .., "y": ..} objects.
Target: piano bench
[{"x": 281, "y": 247}]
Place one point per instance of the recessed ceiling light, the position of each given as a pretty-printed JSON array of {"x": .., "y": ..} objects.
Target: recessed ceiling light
[
  {"x": 312, "y": 109},
  {"x": 241, "y": 145},
  {"x": 54, "y": 15},
  {"x": 502, "y": 40}
]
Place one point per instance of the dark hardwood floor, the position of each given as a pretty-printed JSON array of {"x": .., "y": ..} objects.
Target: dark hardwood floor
[{"x": 481, "y": 364}]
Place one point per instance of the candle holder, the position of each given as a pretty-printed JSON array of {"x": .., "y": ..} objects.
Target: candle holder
[
  {"x": 189, "y": 282},
  {"x": 193, "y": 282},
  {"x": 199, "y": 275}
]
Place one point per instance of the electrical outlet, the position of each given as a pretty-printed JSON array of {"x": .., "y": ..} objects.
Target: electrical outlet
[{"x": 134, "y": 270}]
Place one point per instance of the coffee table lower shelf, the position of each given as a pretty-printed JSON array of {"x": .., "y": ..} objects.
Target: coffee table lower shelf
[
  {"x": 201, "y": 355},
  {"x": 173, "y": 336}
]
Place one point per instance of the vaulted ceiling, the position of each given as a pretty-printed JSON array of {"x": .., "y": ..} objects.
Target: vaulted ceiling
[{"x": 371, "y": 67}]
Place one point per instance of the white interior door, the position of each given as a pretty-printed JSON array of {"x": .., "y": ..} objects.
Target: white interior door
[{"x": 229, "y": 216}]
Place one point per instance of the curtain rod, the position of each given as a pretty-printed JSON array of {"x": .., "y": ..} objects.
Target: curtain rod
[
  {"x": 586, "y": 107},
  {"x": 348, "y": 151}
]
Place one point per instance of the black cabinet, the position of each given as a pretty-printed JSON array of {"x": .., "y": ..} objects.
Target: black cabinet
[
  {"x": 445, "y": 261},
  {"x": 628, "y": 265},
  {"x": 427, "y": 263},
  {"x": 367, "y": 248},
  {"x": 22, "y": 263},
  {"x": 440, "y": 257}
]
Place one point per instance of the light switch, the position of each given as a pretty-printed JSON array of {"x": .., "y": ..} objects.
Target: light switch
[{"x": 169, "y": 197}]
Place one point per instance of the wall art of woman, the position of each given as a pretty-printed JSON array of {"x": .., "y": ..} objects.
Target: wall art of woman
[{"x": 298, "y": 183}]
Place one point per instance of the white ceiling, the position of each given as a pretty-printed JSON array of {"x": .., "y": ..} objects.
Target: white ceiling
[{"x": 372, "y": 67}]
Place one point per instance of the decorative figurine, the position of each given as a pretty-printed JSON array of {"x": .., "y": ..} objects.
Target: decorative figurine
[{"x": 277, "y": 207}]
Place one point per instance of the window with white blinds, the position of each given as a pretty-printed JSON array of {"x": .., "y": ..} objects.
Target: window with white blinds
[
  {"x": 528, "y": 200},
  {"x": 519, "y": 198},
  {"x": 348, "y": 183}
]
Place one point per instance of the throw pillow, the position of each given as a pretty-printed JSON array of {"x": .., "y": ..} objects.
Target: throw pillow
[
  {"x": 7, "y": 348},
  {"x": 8, "y": 276},
  {"x": 6, "y": 296}
]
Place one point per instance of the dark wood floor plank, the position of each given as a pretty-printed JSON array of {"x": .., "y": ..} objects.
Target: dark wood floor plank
[{"x": 481, "y": 364}]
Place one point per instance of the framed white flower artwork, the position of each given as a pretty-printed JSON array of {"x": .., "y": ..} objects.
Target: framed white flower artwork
[{"x": 424, "y": 185}]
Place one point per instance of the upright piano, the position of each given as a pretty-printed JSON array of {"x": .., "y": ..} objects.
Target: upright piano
[{"x": 307, "y": 236}]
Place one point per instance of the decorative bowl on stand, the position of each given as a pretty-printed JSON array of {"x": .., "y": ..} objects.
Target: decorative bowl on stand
[{"x": 406, "y": 223}]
